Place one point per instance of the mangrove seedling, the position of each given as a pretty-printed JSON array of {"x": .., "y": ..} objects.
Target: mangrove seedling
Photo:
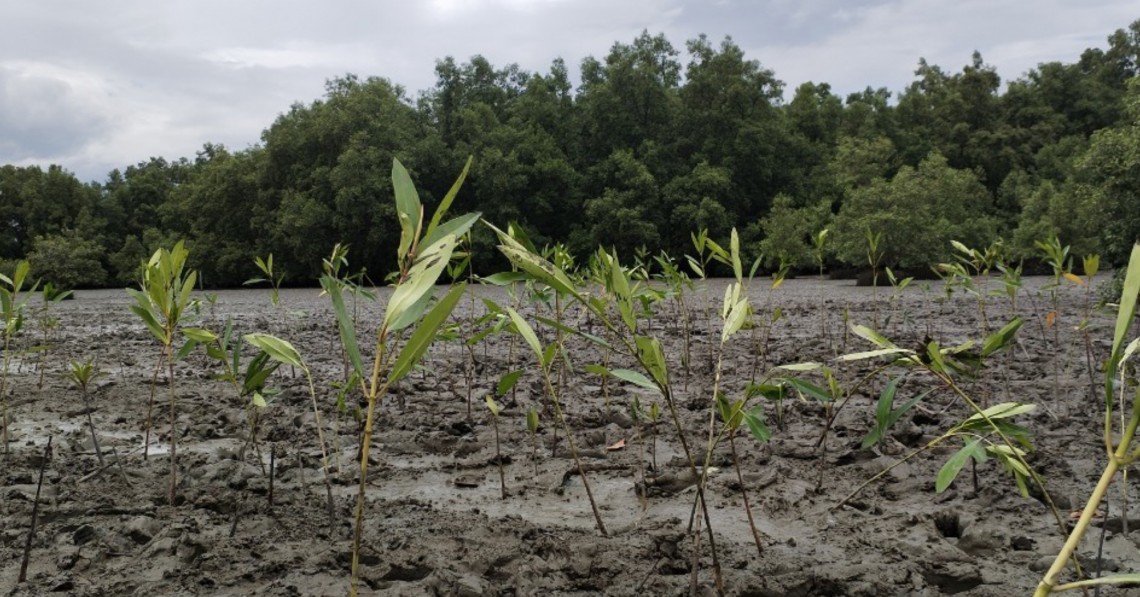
[
  {"x": 82, "y": 375},
  {"x": 48, "y": 324},
  {"x": 1120, "y": 449},
  {"x": 423, "y": 253},
  {"x": 12, "y": 309},
  {"x": 495, "y": 410},
  {"x": 161, "y": 302},
  {"x": 268, "y": 274},
  {"x": 532, "y": 429}
]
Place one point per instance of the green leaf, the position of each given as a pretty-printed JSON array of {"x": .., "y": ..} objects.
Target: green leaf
[
  {"x": 445, "y": 204},
  {"x": 532, "y": 420},
  {"x": 806, "y": 388},
  {"x": 754, "y": 419},
  {"x": 421, "y": 279},
  {"x": 276, "y": 348},
  {"x": 526, "y": 332},
  {"x": 809, "y": 366},
  {"x": 596, "y": 369},
  {"x": 1004, "y": 410},
  {"x": 870, "y": 354},
  {"x": 999, "y": 339},
  {"x": 424, "y": 335},
  {"x": 408, "y": 207},
  {"x": 504, "y": 278},
  {"x": 652, "y": 357},
  {"x": 258, "y": 400},
  {"x": 872, "y": 336},
  {"x": 1124, "y": 316},
  {"x": 507, "y": 381},
  {"x": 457, "y": 226},
  {"x": 492, "y": 405},
  {"x": 186, "y": 349},
  {"x": 737, "y": 316},
  {"x": 635, "y": 378},
  {"x": 953, "y": 466},
  {"x": 200, "y": 334},
  {"x": 344, "y": 321}
]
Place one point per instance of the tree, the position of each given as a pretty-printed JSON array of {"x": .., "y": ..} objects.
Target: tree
[
  {"x": 68, "y": 260},
  {"x": 918, "y": 213},
  {"x": 1108, "y": 177},
  {"x": 789, "y": 230}
]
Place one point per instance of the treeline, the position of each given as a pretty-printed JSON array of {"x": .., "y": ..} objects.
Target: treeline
[{"x": 653, "y": 144}]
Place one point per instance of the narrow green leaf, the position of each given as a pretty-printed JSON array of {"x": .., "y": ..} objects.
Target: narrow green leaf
[
  {"x": 872, "y": 336},
  {"x": 806, "y": 388},
  {"x": 754, "y": 419},
  {"x": 424, "y": 335},
  {"x": 344, "y": 321},
  {"x": 808, "y": 366},
  {"x": 870, "y": 354},
  {"x": 408, "y": 207},
  {"x": 953, "y": 466},
  {"x": 596, "y": 369},
  {"x": 507, "y": 381},
  {"x": 526, "y": 332},
  {"x": 445, "y": 204},
  {"x": 457, "y": 226},
  {"x": 1124, "y": 315},
  {"x": 492, "y": 405},
  {"x": 186, "y": 349},
  {"x": 1004, "y": 410},
  {"x": 999, "y": 339},
  {"x": 504, "y": 278},
  {"x": 200, "y": 334},
  {"x": 635, "y": 378},
  {"x": 276, "y": 348}
]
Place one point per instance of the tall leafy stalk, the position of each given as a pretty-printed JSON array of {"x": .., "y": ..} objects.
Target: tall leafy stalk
[
  {"x": 1120, "y": 450},
  {"x": 161, "y": 301},
  {"x": 425, "y": 250}
]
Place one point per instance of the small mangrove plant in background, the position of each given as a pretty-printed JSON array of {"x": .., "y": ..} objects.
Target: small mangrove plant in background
[{"x": 82, "y": 375}]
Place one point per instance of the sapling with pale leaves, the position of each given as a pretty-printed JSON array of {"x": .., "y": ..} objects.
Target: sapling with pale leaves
[
  {"x": 161, "y": 302},
  {"x": 615, "y": 311}
]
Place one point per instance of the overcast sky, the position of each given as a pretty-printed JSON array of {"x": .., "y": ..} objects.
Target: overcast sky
[{"x": 101, "y": 85}]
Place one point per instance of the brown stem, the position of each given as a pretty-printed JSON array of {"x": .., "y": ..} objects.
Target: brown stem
[
  {"x": 173, "y": 432},
  {"x": 35, "y": 514},
  {"x": 744, "y": 494}
]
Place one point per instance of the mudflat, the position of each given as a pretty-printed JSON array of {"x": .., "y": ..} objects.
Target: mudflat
[{"x": 436, "y": 520}]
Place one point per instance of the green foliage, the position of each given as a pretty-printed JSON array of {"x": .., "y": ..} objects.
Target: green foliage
[
  {"x": 657, "y": 141},
  {"x": 918, "y": 213},
  {"x": 790, "y": 232},
  {"x": 68, "y": 260}
]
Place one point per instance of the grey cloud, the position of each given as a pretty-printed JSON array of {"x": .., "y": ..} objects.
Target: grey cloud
[
  {"x": 162, "y": 78},
  {"x": 43, "y": 116}
]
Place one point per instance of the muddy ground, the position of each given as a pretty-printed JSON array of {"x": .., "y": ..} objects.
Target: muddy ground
[{"x": 437, "y": 524}]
